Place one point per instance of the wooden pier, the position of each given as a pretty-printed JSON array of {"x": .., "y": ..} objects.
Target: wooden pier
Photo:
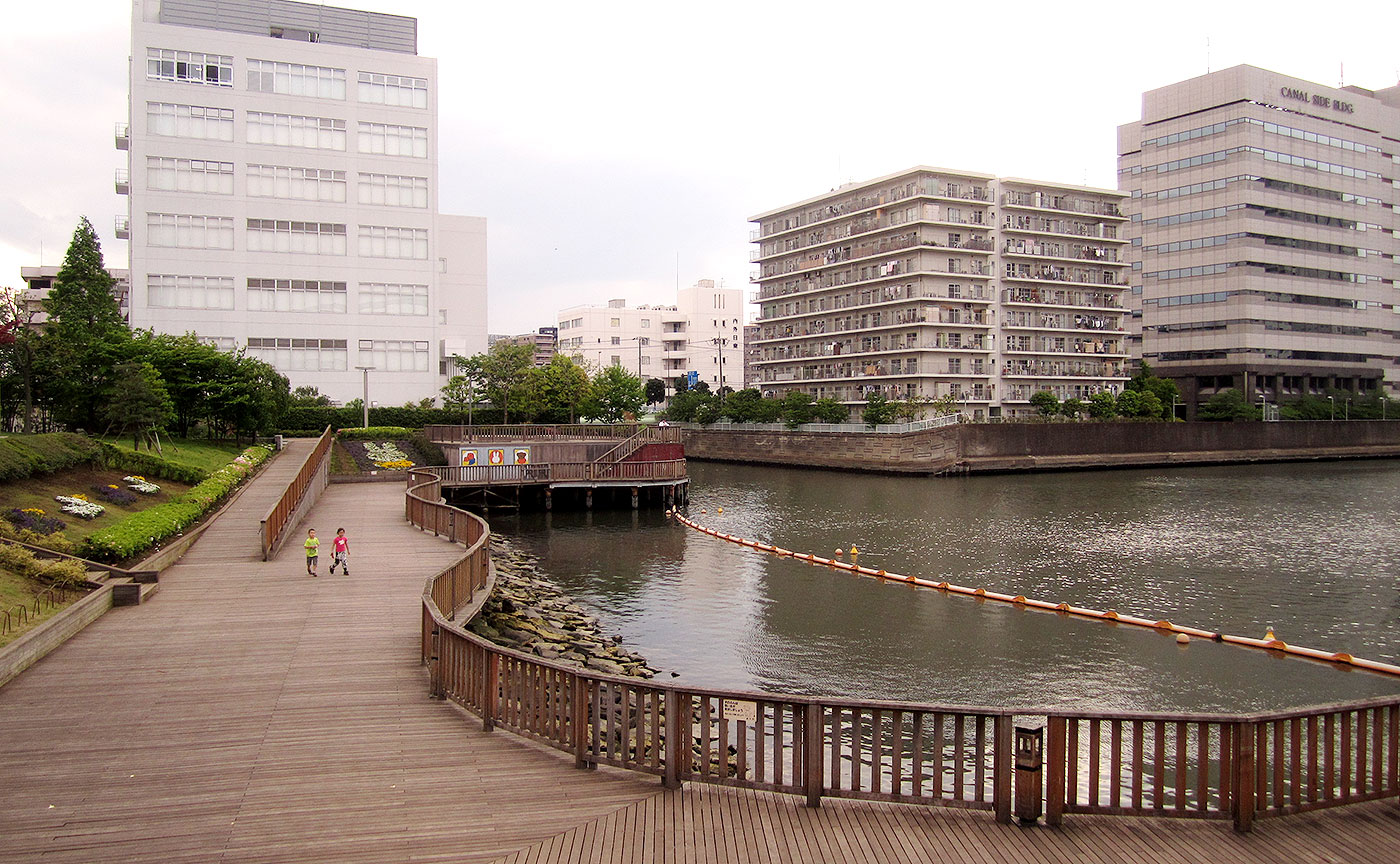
[{"x": 248, "y": 712}]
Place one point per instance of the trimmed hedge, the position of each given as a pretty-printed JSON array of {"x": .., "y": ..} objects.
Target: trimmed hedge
[
  {"x": 319, "y": 418},
  {"x": 387, "y": 433},
  {"x": 24, "y": 455},
  {"x": 147, "y": 465},
  {"x": 140, "y": 531}
]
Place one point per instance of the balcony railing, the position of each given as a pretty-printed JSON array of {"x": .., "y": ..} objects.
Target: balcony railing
[
  {"x": 123, "y": 226},
  {"x": 123, "y": 181},
  {"x": 123, "y": 136}
]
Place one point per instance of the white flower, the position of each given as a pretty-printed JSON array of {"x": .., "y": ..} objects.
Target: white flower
[
  {"x": 142, "y": 485},
  {"x": 79, "y": 507},
  {"x": 386, "y": 452}
]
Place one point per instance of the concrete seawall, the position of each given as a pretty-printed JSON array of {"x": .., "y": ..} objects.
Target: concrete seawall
[{"x": 1001, "y": 447}]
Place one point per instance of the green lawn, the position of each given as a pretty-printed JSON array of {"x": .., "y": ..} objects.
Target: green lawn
[
  {"x": 195, "y": 452},
  {"x": 39, "y": 491},
  {"x": 18, "y": 591}
]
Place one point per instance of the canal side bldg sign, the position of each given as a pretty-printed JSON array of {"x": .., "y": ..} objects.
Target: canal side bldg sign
[{"x": 1317, "y": 99}]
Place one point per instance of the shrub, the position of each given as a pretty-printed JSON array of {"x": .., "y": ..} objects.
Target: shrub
[
  {"x": 35, "y": 520},
  {"x": 432, "y": 453},
  {"x": 22, "y": 562},
  {"x": 148, "y": 465},
  {"x": 141, "y": 531},
  {"x": 114, "y": 494}
]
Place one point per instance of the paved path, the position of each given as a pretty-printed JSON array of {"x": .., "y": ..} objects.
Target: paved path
[{"x": 251, "y": 713}]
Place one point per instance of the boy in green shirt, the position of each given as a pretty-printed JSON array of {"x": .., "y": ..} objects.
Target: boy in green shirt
[{"x": 312, "y": 546}]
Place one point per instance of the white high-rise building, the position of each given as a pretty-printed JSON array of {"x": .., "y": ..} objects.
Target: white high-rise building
[
  {"x": 283, "y": 194},
  {"x": 702, "y": 333}
]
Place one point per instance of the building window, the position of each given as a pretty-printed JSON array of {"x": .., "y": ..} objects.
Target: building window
[
  {"x": 189, "y": 292},
  {"x": 189, "y": 67},
  {"x": 295, "y": 295},
  {"x": 294, "y": 130},
  {"x": 187, "y": 231},
  {"x": 393, "y": 90},
  {"x": 617, "y": 340},
  {"x": 189, "y": 121},
  {"x": 390, "y": 355},
  {"x": 293, "y": 79},
  {"x": 301, "y": 184},
  {"x": 300, "y": 354},
  {"x": 379, "y": 241},
  {"x": 646, "y": 322},
  {"x": 279, "y": 235},
  {"x": 393, "y": 190},
  {"x": 719, "y": 301},
  {"x": 393, "y": 140},
  {"x": 221, "y": 343},
  {"x": 614, "y": 322},
  {"x": 189, "y": 175},
  {"x": 616, "y": 360},
  {"x": 380, "y": 298}
]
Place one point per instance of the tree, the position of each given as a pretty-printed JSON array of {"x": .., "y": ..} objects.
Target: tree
[
  {"x": 1166, "y": 391},
  {"x": 1045, "y": 403},
  {"x": 19, "y": 345},
  {"x": 85, "y": 336},
  {"x": 615, "y": 393},
  {"x": 912, "y": 408},
  {"x": 1103, "y": 406},
  {"x": 506, "y": 373},
  {"x": 462, "y": 388},
  {"x": 138, "y": 402},
  {"x": 1228, "y": 404},
  {"x": 1072, "y": 408},
  {"x": 310, "y": 397},
  {"x": 744, "y": 406},
  {"x": 656, "y": 391},
  {"x": 797, "y": 408},
  {"x": 878, "y": 410},
  {"x": 563, "y": 387},
  {"x": 189, "y": 368},
  {"x": 828, "y": 410}
]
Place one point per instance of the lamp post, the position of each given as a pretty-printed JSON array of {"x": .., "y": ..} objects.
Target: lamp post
[
  {"x": 1347, "y": 410},
  {"x": 365, "y": 400},
  {"x": 1332, "y": 403}
]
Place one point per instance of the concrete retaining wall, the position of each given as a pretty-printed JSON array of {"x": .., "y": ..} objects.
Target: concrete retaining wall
[
  {"x": 977, "y": 447},
  {"x": 30, "y": 648}
]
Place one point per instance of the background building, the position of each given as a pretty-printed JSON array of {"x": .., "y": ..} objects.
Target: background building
[
  {"x": 701, "y": 334},
  {"x": 38, "y": 281},
  {"x": 1264, "y": 235},
  {"x": 282, "y": 183},
  {"x": 545, "y": 342},
  {"x": 932, "y": 283}
]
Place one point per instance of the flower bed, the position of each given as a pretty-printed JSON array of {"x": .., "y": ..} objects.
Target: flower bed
[
  {"x": 79, "y": 505},
  {"x": 387, "y": 455},
  {"x": 114, "y": 494},
  {"x": 141, "y": 531},
  {"x": 382, "y": 455},
  {"x": 140, "y": 484},
  {"x": 34, "y": 519}
]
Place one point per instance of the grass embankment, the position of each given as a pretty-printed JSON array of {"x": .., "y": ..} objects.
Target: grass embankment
[
  {"x": 206, "y": 456},
  {"x": 17, "y": 591}
]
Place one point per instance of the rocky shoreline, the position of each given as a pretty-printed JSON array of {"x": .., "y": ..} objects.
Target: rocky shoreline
[{"x": 527, "y": 612}]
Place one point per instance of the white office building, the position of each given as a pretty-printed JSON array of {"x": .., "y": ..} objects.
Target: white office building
[
  {"x": 282, "y": 183},
  {"x": 701, "y": 334}
]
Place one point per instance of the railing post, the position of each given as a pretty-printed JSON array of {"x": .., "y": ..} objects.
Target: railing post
[
  {"x": 1244, "y": 777},
  {"x": 1055, "y": 771},
  {"x": 1001, "y": 768},
  {"x": 812, "y": 739},
  {"x": 675, "y": 745},
  {"x": 579, "y": 721},
  {"x": 493, "y": 691},
  {"x": 435, "y": 665}
]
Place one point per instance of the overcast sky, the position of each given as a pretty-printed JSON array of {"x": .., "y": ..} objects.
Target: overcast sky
[{"x": 619, "y": 148}]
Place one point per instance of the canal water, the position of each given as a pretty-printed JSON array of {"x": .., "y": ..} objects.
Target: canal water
[{"x": 1311, "y": 549}]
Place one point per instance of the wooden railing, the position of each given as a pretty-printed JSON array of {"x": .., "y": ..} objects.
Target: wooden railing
[
  {"x": 559, "y": 472},
  {"x": 279, "y": 518},
  {"x": 1238, "y": 767},
  {"x": 445, "y": 434}
]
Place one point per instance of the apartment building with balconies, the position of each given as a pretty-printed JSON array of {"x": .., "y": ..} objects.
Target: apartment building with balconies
[
  {"x": 933, "y": 283},
  {"x": 1263, "y": 235},
  {"x": 282, "y": 185},
  {"x": 701, "y": 334}
]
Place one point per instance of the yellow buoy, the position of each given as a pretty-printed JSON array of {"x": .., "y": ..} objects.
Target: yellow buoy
[
  {"x": 854, "y": 551},
  {"x": 1269, "y": 633},
  {"x": 840, "y": 551},
  {"x": 719, "y": 510},
  {"x": 1182, "y": 639}
]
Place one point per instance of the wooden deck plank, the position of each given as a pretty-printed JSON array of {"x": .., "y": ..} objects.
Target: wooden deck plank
[{"x": 251, "y": 713}]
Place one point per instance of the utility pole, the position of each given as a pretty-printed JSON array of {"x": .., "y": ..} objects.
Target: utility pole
[
  {"x": 719, "y": 340},
  {"x": 365, "y": 406}
]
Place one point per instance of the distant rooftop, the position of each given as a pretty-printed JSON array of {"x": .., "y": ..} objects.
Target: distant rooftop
[{"x": 303, "y": 22}]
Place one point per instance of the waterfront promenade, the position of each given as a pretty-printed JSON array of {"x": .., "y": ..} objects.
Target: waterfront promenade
[{"x": 250, "y": 713}]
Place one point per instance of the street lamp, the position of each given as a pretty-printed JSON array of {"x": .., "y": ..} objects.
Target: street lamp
[
  {"x": 1347, "y": 410},
  {"x": 365, "y": 400},
  {"x": 1332, "y": 403}
]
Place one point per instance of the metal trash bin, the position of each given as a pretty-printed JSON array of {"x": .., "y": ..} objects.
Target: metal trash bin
[
  {"x": 277, "y": 442},
  {"x": 1029, "y": 761}
]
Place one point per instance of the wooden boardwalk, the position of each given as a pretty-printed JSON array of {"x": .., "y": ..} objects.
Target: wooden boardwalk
[{"x": 251, "y": 713}]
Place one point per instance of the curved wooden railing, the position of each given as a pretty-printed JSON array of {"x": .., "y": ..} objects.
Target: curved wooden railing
[
  {"x": 273, "y": 527},
  {"x": 1219, "y": 766}
]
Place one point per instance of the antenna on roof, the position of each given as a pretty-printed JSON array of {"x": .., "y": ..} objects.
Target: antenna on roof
[
  {"x": 1341, "y": 74},
  {"x": 1207, "y": 55}
]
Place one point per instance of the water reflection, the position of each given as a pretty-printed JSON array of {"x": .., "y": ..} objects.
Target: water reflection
[{"x": 1311, "y": 549}]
